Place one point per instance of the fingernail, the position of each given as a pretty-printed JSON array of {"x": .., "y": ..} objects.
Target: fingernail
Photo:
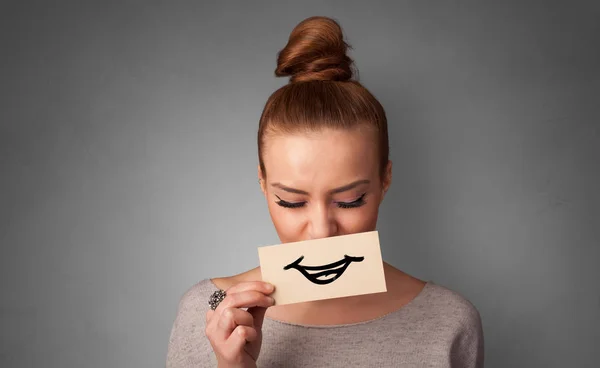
[
  {"x": 272, "y": 301},
  {"x": 270, "y": 287}
]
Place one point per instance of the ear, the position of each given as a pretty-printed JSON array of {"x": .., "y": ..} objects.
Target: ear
[
  {"x": 387, "y": 179},
  {"x": 261, "y": 181}
]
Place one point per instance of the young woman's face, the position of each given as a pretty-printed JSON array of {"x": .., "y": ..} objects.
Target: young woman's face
[{"x": 323, "y": 184}]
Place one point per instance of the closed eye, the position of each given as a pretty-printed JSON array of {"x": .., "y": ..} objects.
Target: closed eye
[
  {"x": 356, "y": 203},
  {"x": 286, "y": 204}
]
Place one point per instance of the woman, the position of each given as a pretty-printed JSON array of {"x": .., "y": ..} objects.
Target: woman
[{"x": 320, "y": 134}]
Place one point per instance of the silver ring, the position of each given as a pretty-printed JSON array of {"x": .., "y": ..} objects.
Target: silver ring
[{"x": 216, "y": 298}]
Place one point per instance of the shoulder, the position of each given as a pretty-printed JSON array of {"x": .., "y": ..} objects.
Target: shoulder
[
  {"x": 196, "y": 296},
  {"x": 450, "y": 303},
  {"x": 449, "y": 308}
]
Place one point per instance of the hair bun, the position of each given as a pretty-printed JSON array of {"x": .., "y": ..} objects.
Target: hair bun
[{"x": 316, "y": 50}]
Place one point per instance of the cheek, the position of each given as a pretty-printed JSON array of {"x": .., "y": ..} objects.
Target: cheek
[
  {"x": 357, "y": 220},
  {"x": 289, "y": 224}
]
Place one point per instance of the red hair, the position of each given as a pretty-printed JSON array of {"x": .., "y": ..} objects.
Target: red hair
[{"x": 321, "y": 93}]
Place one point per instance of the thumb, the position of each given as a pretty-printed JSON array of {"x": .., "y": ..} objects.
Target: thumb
[{"x": 259, "y": 316}]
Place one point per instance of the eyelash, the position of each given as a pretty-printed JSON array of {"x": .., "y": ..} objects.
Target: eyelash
[{"x": 356, "y": 203}]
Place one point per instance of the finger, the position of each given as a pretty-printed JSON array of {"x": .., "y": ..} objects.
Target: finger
[
  {"x": 232, "y": 318},
  {"x": 240, "y": 336},
  {"x": 261, "y": 286},
  {"x": 246, "y": 299},
  {"x": 210, "y": 321},
  {"x": 209, "y": 314}
]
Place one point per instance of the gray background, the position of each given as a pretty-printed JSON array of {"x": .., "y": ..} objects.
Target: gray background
[{"x": 128, "y": 165}]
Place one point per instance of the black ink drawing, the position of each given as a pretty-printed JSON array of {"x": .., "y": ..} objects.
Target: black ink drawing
[{"x": 320, "y": 278}]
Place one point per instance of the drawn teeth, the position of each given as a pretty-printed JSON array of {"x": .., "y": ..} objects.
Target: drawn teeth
[
  {"x": 326, "y": 277},
  {"x": 332, "y": 271}
]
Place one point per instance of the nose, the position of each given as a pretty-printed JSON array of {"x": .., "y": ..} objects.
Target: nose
[{"x": 322, "y": 222}]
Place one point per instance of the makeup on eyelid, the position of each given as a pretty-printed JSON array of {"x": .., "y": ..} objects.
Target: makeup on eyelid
[
  {"x": 346, "y": 198},
  {"x": 356, "y": 201}
]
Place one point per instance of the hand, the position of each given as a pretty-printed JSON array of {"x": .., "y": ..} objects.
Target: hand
[{"x": 235, "y": 334}]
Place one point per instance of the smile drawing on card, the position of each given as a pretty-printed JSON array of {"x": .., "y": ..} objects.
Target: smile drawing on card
[
  {"x": 324, "y": 268},
  {"x": 328, "y": 273}
]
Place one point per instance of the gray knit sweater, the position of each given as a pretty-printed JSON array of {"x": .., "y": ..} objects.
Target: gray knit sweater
[{"x": 438, "y": 328}]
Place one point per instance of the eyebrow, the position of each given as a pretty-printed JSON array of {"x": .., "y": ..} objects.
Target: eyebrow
[{"x": 333, "y": 191}]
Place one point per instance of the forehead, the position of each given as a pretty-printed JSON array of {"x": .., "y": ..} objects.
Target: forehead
[{"x": 324, "y": 158}]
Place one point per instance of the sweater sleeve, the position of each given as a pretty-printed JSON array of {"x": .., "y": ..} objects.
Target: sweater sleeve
[
  {"x": 188, "y": 346},
  {"x": 467, "y": 350}
]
